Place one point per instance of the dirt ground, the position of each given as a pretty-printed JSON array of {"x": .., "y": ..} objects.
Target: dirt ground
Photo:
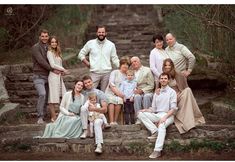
[{"x": 115, "y": 156}]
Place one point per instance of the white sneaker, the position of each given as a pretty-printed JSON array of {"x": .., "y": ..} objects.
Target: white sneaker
[
  {"x": 106, "y": 126},
  {"x": 113, "y": 123},
  {"x": 40, "y": 121},
  {"x": 138, "y": 122},
  {"x": 84, "y": 134},
  {"x": 155, "y": 154},
  {"x": 98, "y": 149}
]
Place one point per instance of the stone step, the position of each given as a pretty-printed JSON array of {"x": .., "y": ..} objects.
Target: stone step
[{"x": 116, "y": 139}]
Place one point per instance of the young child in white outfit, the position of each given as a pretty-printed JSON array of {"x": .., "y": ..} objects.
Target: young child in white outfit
[{"x": 92, "y": 99}]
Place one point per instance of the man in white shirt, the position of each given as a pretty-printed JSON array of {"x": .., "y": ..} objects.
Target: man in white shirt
[
  {"x": 183, "y": 59},
  {"x": 158, "y": 117},
  {"x": 102, "y": 54}
]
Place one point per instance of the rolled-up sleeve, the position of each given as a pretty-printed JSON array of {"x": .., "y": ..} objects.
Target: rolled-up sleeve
[{"x": 84, "y": 51}]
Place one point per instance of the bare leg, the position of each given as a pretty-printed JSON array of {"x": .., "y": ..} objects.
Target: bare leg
[
  {"x": 52, "y": 111},
  {"x": 117, "y": 109},
  {"x": 111, "y": 112}
]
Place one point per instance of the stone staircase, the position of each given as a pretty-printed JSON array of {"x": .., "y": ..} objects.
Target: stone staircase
[{"x": 120, "y": 139}]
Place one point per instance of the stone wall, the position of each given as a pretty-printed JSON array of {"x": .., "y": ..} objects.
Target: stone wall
[{"x": 20, "y": 87}]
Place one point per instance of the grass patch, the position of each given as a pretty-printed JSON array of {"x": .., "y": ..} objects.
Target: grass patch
[{"x": 195, "y": 145}]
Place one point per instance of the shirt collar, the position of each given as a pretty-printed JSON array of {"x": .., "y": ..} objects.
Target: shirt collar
[
  {"x": 101, "y": 42},
  {"x": 173, "y": 47},
  {"x": 162, "y": 90}
]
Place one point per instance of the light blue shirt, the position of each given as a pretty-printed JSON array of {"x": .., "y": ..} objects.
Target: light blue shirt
[
  {"x": 127, "y": 88},
  {"x": 165, "y": 101}
]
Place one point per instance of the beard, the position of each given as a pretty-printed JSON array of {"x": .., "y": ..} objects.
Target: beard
[{"x": 101, "y": 38}]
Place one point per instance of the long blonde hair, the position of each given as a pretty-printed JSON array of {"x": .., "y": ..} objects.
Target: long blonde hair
[
  {"x": 57, "y": 50},
  {"x": 172, "y": 72}
]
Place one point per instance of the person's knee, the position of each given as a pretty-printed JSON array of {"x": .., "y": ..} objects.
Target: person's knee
[
  {"x": 162, "y": 127},
  {"x": 137, "y": 98},
  {"x": 140, "y": 115},
  {"x": 148, "y": 96},
  {"x": 42, "y": 94},
  {"x": 98, "y": 122}
]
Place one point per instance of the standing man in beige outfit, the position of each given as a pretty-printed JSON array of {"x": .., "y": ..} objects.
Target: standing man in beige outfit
[
  {"x": 183, "y": 59},
  {"x": 102, "y": 54}
]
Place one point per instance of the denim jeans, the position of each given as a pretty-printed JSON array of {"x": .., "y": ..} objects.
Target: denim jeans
[{"x": 41, "y": 85}]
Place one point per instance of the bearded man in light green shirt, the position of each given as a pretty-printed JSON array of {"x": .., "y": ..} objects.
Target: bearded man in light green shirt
[
  {"x": 183, "y": 59},
  {"x": 102, "y": 54}
]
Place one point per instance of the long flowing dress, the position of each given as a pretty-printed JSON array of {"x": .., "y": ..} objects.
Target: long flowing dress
[
  {"x": 188, "y": 115},
  {"x": 115, "y": 79},
  {"x": 55, "y": 81},
  {"x": 66, "y": 126}
]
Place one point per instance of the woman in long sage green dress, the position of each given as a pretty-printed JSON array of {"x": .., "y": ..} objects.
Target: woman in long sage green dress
[{"x": 68, "y": 124}]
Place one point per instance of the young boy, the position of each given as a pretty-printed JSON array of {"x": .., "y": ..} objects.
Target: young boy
[
  {"x": 127, "y": 88},
  {"x": 92, "y": 99}
]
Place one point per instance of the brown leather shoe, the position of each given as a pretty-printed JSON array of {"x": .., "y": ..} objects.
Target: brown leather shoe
[{"x": 155, "y": 154}]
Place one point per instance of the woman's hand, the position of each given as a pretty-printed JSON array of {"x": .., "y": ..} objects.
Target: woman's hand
[
  {"x": 71, "y": 114},
  {"x": 157, "y": 91}
]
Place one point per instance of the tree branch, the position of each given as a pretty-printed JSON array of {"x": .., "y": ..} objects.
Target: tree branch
[
  {"x": 210, "y": 21},
  {"x": 41, "y": 16}
]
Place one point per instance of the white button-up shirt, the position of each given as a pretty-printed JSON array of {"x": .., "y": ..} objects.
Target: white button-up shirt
[
  {"x": 165, "y": 101},
  {"x": 102, "y": 54},
  {"x": 156, "y": 59}
]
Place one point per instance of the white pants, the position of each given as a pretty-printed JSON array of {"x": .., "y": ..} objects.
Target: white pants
[
  {"x": 97, "y": 124},
  {"x": 148, "y": 120}
]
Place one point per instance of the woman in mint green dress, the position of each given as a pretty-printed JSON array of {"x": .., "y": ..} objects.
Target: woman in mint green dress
[{"x": 68, "y": 124}]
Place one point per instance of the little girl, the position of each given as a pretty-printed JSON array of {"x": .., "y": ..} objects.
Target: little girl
[{"x": 92, "y": 101}]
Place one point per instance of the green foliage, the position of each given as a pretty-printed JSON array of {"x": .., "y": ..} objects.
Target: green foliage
[
  {"x": 175, "y": 146},
  {"x": 69, "y": 23},
  {"x": 196, "y": 27},
  {"x": 196, "y": 145}
]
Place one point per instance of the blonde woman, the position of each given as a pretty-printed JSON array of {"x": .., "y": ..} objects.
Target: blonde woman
[{"x": 55, "y": 81}]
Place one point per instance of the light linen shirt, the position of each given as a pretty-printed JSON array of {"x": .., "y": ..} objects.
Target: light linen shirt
[
  {"x": 102, "y": 54},
  {"x": 165, "y": 101},
  {"x": 156, "y": 59},
  {"x": 127, "y": 88},
  {"x": 181, "y": 56}
]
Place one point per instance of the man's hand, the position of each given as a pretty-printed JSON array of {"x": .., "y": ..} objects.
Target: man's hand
[
  {"x": 91, "y": 107},
  {"x": 186, "y": 73},
  {"x": 132, "y": 99},
  {"x": 57, "y": 71},
  {"x": 138, "y": 91},
  {"x": 162, "y": 120}
]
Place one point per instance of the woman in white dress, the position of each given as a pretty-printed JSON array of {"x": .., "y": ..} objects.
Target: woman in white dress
[
  {"x": 157, "y": 56},
  {"x": 55, "y": 81},
  {"x": 113, "y": 93}
]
